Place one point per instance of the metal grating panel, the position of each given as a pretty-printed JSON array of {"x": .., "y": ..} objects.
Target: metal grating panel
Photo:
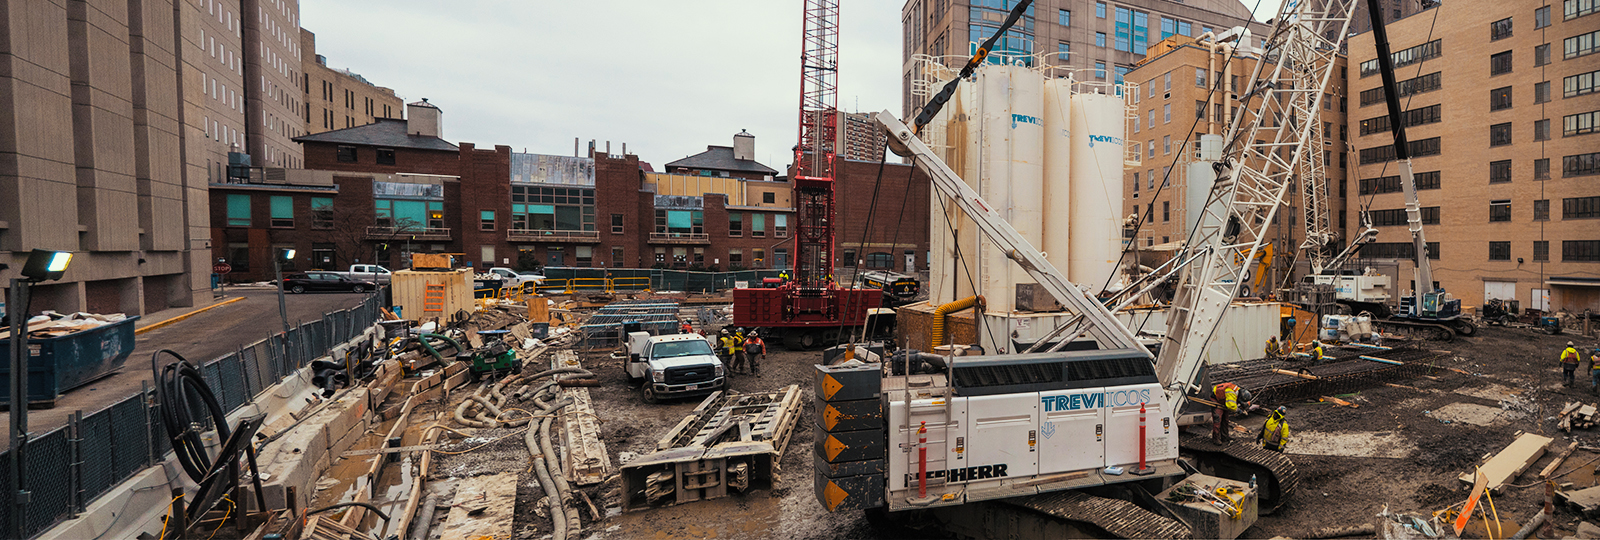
[
  {"x": 97, "y": 451},
  {"x": 1006, "y": 375},
  {"x": 233, "y": 382},
  {"x": 254, "y": 374},
  {"x": 129, "y": 436},
  {"x": 46, "y": 461},
  {"x": 1110, "y": 368}
]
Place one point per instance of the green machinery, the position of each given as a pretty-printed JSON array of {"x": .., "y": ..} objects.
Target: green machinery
[{"x": 495, "y": 359}]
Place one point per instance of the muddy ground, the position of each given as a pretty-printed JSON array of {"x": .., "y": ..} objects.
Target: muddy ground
[{"x": 1393, "y": 449}]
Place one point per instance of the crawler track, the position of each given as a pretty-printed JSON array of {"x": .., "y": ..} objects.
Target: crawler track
[
  {"x": 1118, "y": 518},
  {"x": 1276, "y": 476}
]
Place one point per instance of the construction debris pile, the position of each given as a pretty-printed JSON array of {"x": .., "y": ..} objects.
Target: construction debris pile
[{"x": 50, "y": 324}]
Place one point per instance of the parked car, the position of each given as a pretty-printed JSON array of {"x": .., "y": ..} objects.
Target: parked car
[
  {"x": 512, "y": 279},
  {"x": 367, "y": 272},
  {"x": 325, "y": 281}
]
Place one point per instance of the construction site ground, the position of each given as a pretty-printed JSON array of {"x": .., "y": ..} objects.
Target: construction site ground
[{"x": 1400, "y": 447}]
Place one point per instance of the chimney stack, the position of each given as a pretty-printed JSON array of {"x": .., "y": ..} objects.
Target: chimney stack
[
  {"x": 424, "y": 119},
  {"x": 744, "y": 145}
]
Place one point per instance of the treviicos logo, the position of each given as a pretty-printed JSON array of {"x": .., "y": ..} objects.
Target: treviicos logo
[
  {"x": 1111, "y": 398},
  {"x": 1102, "y": 138},
  {"x": 1025, "y": 119}
]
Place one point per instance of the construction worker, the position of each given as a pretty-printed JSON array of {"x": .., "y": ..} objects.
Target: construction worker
[
  {"x": 725, "y": 347},
  {"x": 1275, "y": 434},
  {"x": 1316, "y": 353},
  {"x": 755, "y": 347},
  {"x": 1227, "y": 396},
  {"x": 1569, "y": 363},
  {"x": 1273, "y": 349},
  {"x": 736, "y": 355},
  {"x": 1594, "y": 370}
]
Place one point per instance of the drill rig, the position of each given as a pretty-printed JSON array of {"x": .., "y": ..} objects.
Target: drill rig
[
  {"x": 805, "y": 308},
  {"x": 1036, "y": 444}
]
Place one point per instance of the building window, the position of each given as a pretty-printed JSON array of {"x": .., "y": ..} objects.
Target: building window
[
  {"x": 1416, "y": 85},
  {"x": 1580, "y": 208},
  {"x": 1541, "y": 250},
  {"x": 758, "y": 225},
  {"x": 1099, "y": 39},
  {"x": 1500, "y": 29},
  {"x": 585, "y": 256},
  {"x": 849, "y": 257},
  {"x": 486, "y": 220},
  {"x": 1541, "y": 210},
  {"x": 322, "y": 212},
  {"x": 1200, "y": 77},
  {"x": 1100, "y": 70},
  {"x": 1397, "y": 250},
  {"x": 1541, "y": 130},
  {"x": 1397, "y": 216},
  {"x": 879, "y": 259},
  {"x": 386, "y": 156},
  {"x": 239, "y": 256},
  {"x": 547, "y": 208},
  {"x": 282, "y": 211},
  {"x": 679, "y": 222},
  {"x": 616, "y": 223},
  {"x": 1166, "y": 146},
  {"x": 780, "y": 226},
  {"x": 735, "y": 259},
  {"x": 1500, "y": 134},
  {"x": 238, "y": 210},
  {"x": 1499, "y": 210},
  {"x": 323, "y": 255},
  {"x": 486, "y": 253},
  {"x": 1385, "y": 153},
  {"x": 1579, "y": 124},
  {"x": 1064, "y": 17},
  {"x": 1541, "y": 55},
  {"x": 1166, "y": 212},
  {"x": 1541, "y": 92},
  {"x": 617, "y": 259},
  {"x": 1425, "y": 51},
  {"x": 1500, "y": 98},
  {"x": 346, "y": 154},
  {"x": 1579, "y": 45},
  {"x": 1500, "y": 63},
  {"x": 1541, "y": 17},
  {"x": 1100, "y": 10},
  {"x": 1499, "y": 251},
  {"x": 1580, "y": 84},
  {"x": 1166, "y": 113},
  {"x": 1199, "y": 110},
  {"x": 1580, "y": 165},
  {"x": 735, "y": 224},
  {"x": 1500, "y": 171},
  {"x": 1578, "y": 8},
  {"x": 769, "y": 198},
  {"x": 1541, "y": 169},
  {"x": 1414, "y": 117},
  {"x": 1580, "y": 250}
]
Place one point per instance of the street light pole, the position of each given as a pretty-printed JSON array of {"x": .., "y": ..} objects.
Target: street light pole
[
  {"x": 277, "y": 269},
  {"x": 17, "y": 310}
]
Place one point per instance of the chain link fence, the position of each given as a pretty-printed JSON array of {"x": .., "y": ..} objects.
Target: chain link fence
[{"x": 71, "y": 466}]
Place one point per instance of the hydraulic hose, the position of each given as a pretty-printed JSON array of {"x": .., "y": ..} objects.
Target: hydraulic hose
[
  {"x": 423, "y": 339},
  {"x": 179, "y": 390},
  {"x": 368, "y": 506}
]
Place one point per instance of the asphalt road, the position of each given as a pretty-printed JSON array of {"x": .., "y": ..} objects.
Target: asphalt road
[{"x": 200, "y": 339}]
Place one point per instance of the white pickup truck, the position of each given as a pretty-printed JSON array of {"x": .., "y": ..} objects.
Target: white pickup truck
[
  {"x": 367, "y": 272},
  {"x": 672, "y": 366},
  {"x": 512, "y": 279}
]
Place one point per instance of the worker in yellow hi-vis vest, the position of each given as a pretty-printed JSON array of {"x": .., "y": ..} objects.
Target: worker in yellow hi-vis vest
[{"x": 1275, "y": 434}]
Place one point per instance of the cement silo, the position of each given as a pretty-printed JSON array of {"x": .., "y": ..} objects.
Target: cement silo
[
  {"x": 1010, "y": 170},
  {"x": 1097, "y": 155},
  {"x": 1198, "y": 178},
  {"x": 1058, "y": 173}
]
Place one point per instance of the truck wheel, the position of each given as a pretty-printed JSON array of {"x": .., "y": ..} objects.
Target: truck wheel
[
  {"x": 297, "y": 289},
  {"x": 650, "y": 394}
]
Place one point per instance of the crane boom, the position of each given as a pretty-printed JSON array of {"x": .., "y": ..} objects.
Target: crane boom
[
  {"x": 1253, "y": 178},
  {"x": 1402, "y": 153}
]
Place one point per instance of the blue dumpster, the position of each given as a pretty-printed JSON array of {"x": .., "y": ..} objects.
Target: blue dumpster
[{"x": 59, "y": 364}]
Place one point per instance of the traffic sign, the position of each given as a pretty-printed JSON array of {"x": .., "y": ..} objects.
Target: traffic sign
[{"x": 221, "y": 268}]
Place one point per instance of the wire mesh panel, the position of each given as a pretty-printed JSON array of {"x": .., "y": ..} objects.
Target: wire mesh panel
[
  {"x": 212, "y": 373},
  {"x": 233, "y": 383},
  {"x": 46, "y": 461},
  {"x": 129, "y": 437},
  {"x": 97, "y": 452},
  {"x": 6, "y": 500},
  {"x": 267, "y": 359},
  {"x": 255, "y": 378}
]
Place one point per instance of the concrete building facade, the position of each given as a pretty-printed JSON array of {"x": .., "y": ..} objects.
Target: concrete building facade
[
  {"x": 1501, "y": 106},
  {"x": 272, "y": 81},
  {"x": 339, "y": 98},
  {"x": 1101, "y": 40},
  {"x": 1189, "y": 91}
]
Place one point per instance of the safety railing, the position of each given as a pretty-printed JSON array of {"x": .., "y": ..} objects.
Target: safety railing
[
  {"x": 550, "y": 235},
  {"x": 71, "y": 466},
  {"x": 419, "y": 233}
]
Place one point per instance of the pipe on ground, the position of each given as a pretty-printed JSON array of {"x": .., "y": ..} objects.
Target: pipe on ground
[
  {"x": 940, "y": 312},
  {"x": 425, "y": 519}
]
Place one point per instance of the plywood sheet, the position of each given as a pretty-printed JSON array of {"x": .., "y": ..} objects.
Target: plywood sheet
[
  {"x": 495, "y": 495},
  {"x": 1511, "y": 461}
]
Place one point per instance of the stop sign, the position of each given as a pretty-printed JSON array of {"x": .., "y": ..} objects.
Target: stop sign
[{"x": 221, "y": 268}]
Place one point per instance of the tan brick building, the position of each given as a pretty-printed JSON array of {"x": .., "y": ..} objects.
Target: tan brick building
[
  {"x": 272, "y": 81},
  {"x": 340, "y": 98},
  {"x": 1189, "y": 91},
  {"x": 1501, "y": 113}
]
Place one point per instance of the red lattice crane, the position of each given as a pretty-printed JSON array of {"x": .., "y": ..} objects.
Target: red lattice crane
[{"x": 804, "y": 309}]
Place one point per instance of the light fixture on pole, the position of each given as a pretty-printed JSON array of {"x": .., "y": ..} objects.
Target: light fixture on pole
[
  {"x": 277, "y": 270},
  {"x": 42, "y": 265}
]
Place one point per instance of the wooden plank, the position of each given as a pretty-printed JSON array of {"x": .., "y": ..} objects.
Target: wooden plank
[
  {"x": 1512, "y": 461},
  {"x": 495, "y": 494},
  {"x": 1551, "y": 468},
  {"x": 587, "y": 461}
]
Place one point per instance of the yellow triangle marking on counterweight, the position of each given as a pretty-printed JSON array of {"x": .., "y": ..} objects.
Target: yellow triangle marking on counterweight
[
  {"x": 834, "y": 495},
  {"x": 830, "y": 386},
  {"x": 833, "y": 447},
  {"x": 830, "y": 416}
]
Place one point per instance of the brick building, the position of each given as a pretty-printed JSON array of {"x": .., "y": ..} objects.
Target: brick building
[
  {"x": 1500, "y": 105},
  {"x": 339, "y": 98},
  {"x": 1188, "y": 91}
]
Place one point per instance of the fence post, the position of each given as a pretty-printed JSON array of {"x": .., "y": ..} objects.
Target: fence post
[
  {"x": 74, "y": 463},
  {"x": 149, "y": 427}
]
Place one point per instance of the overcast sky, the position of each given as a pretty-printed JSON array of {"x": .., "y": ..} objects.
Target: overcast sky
[{"x": 535, "y": 74}]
